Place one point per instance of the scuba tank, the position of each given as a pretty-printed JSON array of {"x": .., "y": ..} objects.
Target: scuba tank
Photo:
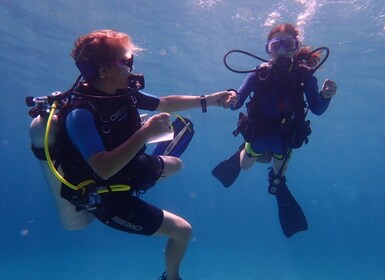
[{"x": 70, "y": 218}]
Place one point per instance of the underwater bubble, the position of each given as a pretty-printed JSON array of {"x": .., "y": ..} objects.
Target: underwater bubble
[
  {"x": 174, "y": 49},
  {"x": 272, "y": 19},
  {"x": 163, "y": 52},
  {"x": 193, "y": 194},
  {"x": 206, "y": 3}
]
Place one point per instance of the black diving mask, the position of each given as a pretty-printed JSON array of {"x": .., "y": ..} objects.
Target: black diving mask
[{"x": 126, "y": 62}]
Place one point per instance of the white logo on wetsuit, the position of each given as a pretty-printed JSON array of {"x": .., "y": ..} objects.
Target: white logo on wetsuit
[
  {"x": 118, "y": 114},
  {"x": 126, "y": 224}
]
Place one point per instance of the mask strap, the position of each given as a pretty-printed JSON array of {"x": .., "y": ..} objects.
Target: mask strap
[{"x": 87, "y": 69}]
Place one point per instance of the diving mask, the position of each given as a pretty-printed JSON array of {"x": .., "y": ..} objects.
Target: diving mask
[
  {"x": 288, "y": 44},
  {"x": 126, "y": 62}
]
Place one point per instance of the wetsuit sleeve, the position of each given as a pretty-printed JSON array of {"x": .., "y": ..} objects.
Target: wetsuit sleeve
[
  {"x": 317, "y": 104},
  {"x": 245, "y": 89},
  {"x": 82, "y": 132},
  {"x": 146, "y": 101}
]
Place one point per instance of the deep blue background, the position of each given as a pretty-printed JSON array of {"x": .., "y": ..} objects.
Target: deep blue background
[{"x": 338, "y": 178}]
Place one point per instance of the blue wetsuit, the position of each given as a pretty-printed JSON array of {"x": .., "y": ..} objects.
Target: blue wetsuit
[{"x": 270, "y": 108}]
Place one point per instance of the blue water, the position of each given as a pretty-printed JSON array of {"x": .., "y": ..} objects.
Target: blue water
[{"x": 338, "y": 178}]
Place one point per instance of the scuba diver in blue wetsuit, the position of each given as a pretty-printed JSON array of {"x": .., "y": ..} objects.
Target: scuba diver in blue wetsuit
[
  {"x": 275, "y": 121},
  {"x": 103, "y": 142}
]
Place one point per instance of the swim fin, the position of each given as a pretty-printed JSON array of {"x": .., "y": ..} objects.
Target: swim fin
[
  {"x": 228, "y": 170},
  {"x": 290, "y": 214},
  {"x": 183, "y": 133}
]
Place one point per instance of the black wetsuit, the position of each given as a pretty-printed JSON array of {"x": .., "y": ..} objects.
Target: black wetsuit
[{"x": 97, "y": 124}]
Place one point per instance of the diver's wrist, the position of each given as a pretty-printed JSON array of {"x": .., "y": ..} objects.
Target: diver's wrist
[
  {"x": 325, "y": 97},
  {"x": 203, "y": 102}
]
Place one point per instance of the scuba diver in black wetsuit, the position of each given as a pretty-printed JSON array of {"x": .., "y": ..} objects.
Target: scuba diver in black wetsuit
[
  {"x": 275, "y": 121},
  {"x": 103, "y": 143}
]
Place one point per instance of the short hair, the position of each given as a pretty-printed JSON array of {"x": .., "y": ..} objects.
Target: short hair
[{"x": 102, "y": 47}]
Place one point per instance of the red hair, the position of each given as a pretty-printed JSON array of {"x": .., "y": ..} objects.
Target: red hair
[
  {"x": 286, "y": 28},
  {"x": 102, "y": 47}
]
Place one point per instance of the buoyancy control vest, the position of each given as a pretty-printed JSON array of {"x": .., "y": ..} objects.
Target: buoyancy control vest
[
  {"x": 290, "y": 122},
  {"x": 116, "y": 119}
]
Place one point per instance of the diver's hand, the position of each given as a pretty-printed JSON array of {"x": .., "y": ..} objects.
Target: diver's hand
[
  {"x": 157, "y": 124},
  {"x": 222, "y": 98},
  {"x": 234, "y": 96},
  {"x": 329, "y": 89}
]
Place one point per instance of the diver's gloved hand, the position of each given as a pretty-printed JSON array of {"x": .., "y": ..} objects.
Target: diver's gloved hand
[{"x": 329, "y": 89}]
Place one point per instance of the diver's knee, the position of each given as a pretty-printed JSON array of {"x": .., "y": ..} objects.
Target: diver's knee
[
  {"x": 177, "y": 163},
  {"x": 172, "y": 165},
  {"x": 181, "y": 230},
  {"x": 184, "y": 231}
]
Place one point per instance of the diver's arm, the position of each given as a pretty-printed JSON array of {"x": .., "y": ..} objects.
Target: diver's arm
[
  {"x": 108, "y": 163},
  {"x": 317, "y": 103},
  {"x": 85, "y": 137},
  {"x": 174, "y": 103},
  {"x": 244, "y": 90},
  {"x": 82, "y": 132}
]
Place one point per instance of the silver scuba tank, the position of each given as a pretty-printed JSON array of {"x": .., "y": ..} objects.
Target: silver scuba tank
[{"x": 70, "y": 218}]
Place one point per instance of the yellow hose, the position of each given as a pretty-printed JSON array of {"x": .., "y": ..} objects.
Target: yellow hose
[
  {"x": 54, "y": 170},
  {"x": 46, "y": 149}
]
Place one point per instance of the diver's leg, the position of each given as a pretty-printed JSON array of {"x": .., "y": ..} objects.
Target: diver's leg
[
  {"x": 277, "y": 164},
  {"x": 179, "y": 232},
  {"x": 172, "y": 165},
  {"x": 246, "y": 160}
]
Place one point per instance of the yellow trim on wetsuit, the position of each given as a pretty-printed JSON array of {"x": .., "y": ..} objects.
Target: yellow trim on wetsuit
[{"x": 249, "y": 151}]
